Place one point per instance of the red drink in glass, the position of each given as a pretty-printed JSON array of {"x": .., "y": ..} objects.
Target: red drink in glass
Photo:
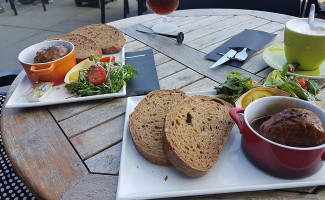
[{"x": 163, "y": 7}]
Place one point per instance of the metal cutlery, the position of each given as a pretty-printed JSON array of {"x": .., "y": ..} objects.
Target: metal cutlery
[
  {"x": 242, "y": 55},
  {"x": 311, "y": 16},
  {"x": 141, "y": 55},
  {"x": 179, "y": 37},
  {"x": 229, "y": 55}
]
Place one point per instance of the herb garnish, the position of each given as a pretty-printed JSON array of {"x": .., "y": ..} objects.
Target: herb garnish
[
  {"x": 235, "y": 86},
  {"x": 117, "y": 75}
]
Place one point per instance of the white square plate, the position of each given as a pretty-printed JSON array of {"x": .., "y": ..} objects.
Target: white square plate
[
  {"x": 139, "y": 179},
  {"x": 59, "y": 93}
]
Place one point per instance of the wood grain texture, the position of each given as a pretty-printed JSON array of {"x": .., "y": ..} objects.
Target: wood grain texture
[
  {"x": 72, "y": 151},
  {"x": 168, "y": 68},
  {"x": 123, "y": 23},
  {"x": 213, "y": 27},
  {"x": 180, "y": 79},
  {"x": 64, "y": 111},
  {"x": 310, "y": 190},
  {"x": 39, "y": 152},
  {"x": 91, "y": 118},
  {"x": 201, "y": 23},
  {"x": 94, "y": 187},
  {"x": 209, "y": 12},
  {"x": 99, "y": 138},
  {"x": 214, "y": 37},
  {"x": 185, "y": 55},
  {"x": 128, "y": 38},
  {"x": 134, "y": 46},
  {"x": 188, "y": 20},
  {"x": 150, "y": 24},
  {"x": 161, "y": 58},
  {"x": 321, "y": 193},
  {"x": 106, "y": 162},
  {"x": 271, "y": 27},
  {"x": 200, "y": 85},
  {"x": 275, "y": 17}
]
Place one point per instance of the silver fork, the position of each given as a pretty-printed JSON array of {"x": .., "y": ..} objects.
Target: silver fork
[{"x": 242, "y": 55}]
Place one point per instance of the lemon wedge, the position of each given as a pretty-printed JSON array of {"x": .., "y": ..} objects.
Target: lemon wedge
[
  {"x": 256, "y": 93},
  {"x": 73, "y": 74}
]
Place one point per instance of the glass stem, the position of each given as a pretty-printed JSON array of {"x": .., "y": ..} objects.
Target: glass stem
[{"x": 164, "y": 18}]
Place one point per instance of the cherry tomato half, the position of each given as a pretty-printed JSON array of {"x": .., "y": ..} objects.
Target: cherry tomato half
[
  {"x": 96, "y": 75},
  {"x": 302, "y": 82},
  {"x": 107, "y": 59}
]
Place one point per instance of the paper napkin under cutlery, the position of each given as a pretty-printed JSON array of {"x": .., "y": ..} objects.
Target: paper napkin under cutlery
[
  {"x": 254, "y": 40},
  {"x": 147, "y": 80}
]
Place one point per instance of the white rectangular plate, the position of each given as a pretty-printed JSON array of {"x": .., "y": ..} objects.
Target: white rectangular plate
[
  {"x": 139, "y": 179},
  {"x": 59, "y": 93}
]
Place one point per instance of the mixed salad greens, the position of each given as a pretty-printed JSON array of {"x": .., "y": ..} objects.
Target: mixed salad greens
[
  {"x": 101, "y": 78},
  {"x": 297, "y": 87}
]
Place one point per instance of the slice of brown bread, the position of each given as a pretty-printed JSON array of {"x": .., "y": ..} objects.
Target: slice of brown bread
[
  {"x": 147, "y": 122},
  {"x": 84, "y": 46},
  {"x": 195, "y": 132},
  {"x": 109, "y": 38}
]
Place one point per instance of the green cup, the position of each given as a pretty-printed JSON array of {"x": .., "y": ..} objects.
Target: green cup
[{"x": 303, "y": 45}]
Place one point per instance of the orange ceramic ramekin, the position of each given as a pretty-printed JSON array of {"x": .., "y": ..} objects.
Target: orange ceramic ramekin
[{"x": 53, "y": 71}]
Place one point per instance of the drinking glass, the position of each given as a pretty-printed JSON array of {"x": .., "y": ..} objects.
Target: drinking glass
[{"x": 163, "y": 7}]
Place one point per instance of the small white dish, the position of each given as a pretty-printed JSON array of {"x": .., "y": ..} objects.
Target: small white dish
[
  {"x": 139, "y": 179},
  {"x": 59, "y": 93}
]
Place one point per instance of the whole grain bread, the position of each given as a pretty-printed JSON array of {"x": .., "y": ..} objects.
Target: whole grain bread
[
  {"x": 109, "y": 38},
  {"x": 147, "y": 122},
  {"x": 84, "y": 46},
  {"x": 195, "y": 133}
]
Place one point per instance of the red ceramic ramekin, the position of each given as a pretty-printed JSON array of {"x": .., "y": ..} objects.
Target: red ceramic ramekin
[
  {"x": 277, "y": 159},
  {"x": 53, "y": 71}
]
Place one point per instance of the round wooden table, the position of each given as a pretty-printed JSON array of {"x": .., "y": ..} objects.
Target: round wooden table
[{"x": 72, "y": 151}]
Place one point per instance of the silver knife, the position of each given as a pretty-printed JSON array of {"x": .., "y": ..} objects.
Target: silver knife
[{"x": 229, "y": 55}]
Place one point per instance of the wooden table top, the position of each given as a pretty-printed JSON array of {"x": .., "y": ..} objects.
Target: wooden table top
[{"x": 72, "y": 151}]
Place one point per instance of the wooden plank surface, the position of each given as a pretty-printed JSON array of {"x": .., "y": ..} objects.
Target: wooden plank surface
[
  {"x": 94, "y": 187},
  {"x": 211, "y": 12},
  {"x": 212, "y": 26},
  {"x": 39, "y": 151},
  {"x": 274, "y": 17},
  {"x": 76, "y": 155},
  {"x": 184, "y": 54},
  {"x": 99, "y": 138},
  {"x": 210, "y": 39},
  {"x": 91, "y": 118},
  {"x": 107, "y": 161}
]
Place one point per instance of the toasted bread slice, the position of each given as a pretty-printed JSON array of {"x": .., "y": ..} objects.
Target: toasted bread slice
[
  {"x": 84, "y": 46},
  {"x": 147, "y": 122},
  {"x": 195, "y": 133},
  {"x": 109, "y": 38}
]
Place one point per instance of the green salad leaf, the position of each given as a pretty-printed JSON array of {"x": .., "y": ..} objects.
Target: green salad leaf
[
  {"x": 274, "y": 79},
  {"x": 312, "y": 87},
  {"x": 235, "y": 86},
  {"x": 291, "y": 85},
  {"x": 117, "y": 75}
]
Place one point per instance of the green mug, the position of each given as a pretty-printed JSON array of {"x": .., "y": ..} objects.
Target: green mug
[{"x": 303, "y": 45}]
